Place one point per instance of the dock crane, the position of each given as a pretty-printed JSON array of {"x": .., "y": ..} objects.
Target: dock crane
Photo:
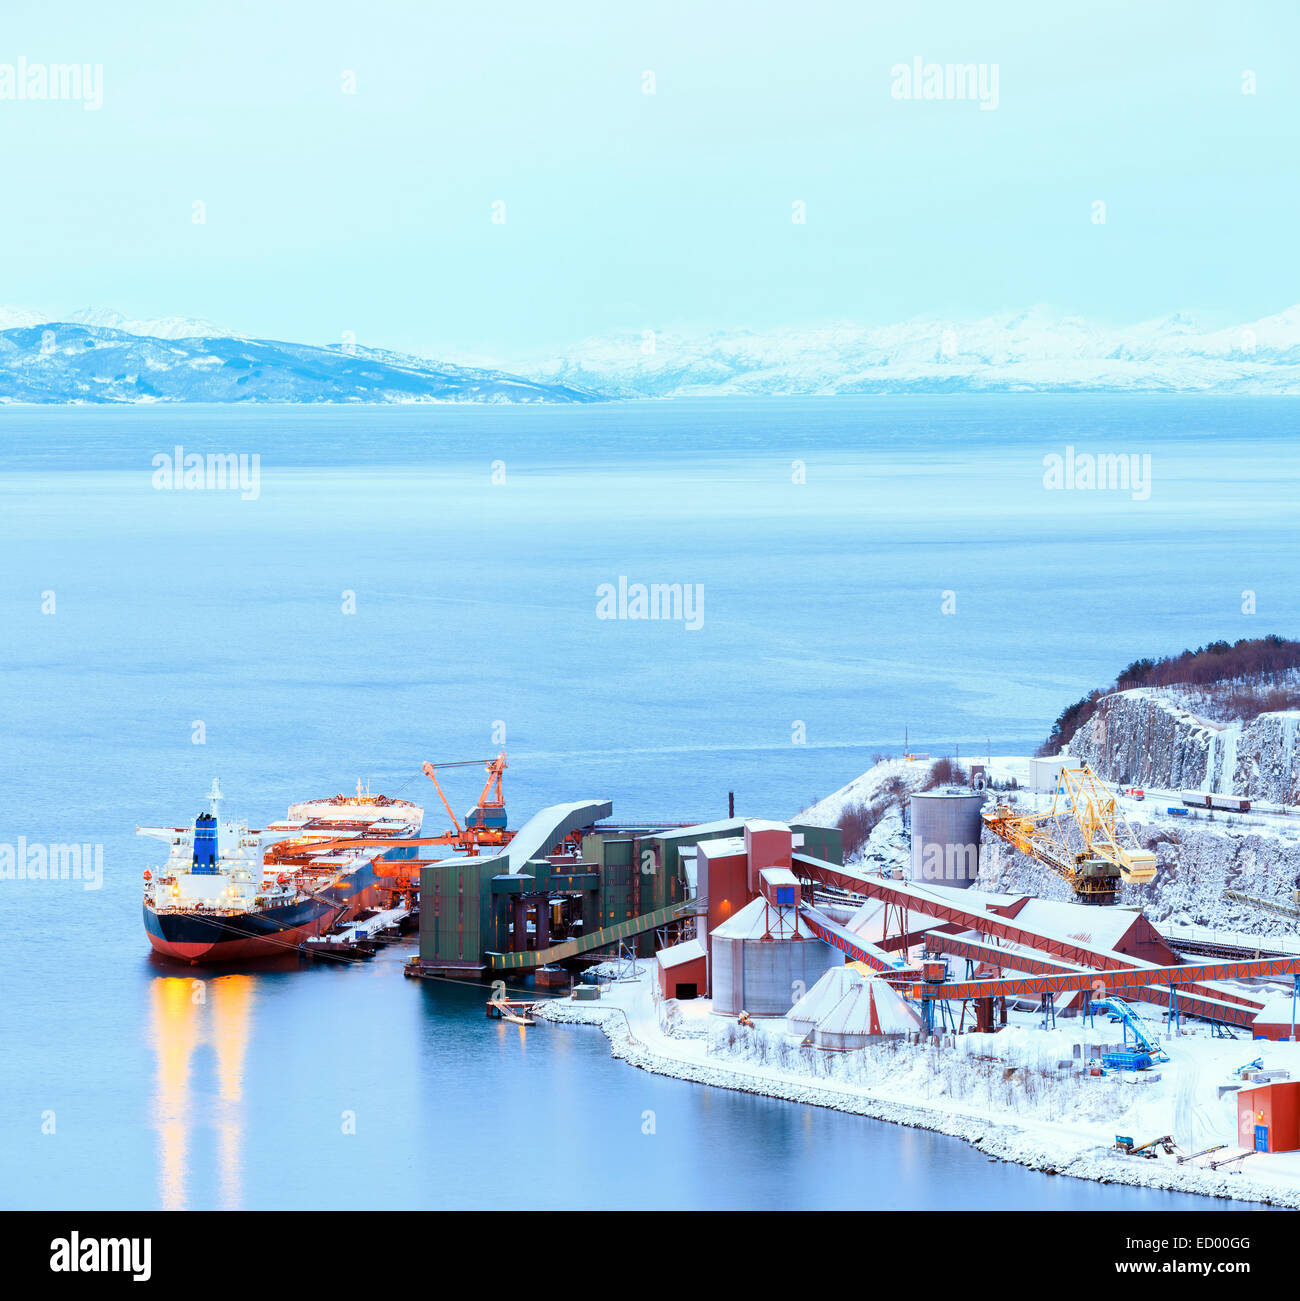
[
  {"x": 1082, "y": 808},
  {"x": 484, "y": 826},
  {"x": 485, "y": 823}
]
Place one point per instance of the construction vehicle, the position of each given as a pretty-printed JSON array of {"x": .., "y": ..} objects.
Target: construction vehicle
[
  {"x": 1082, "y": 837},
  {"x": 1127, "y": 1146}
]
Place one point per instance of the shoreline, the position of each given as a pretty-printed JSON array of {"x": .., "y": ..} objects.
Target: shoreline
[{"x": 999, "y": 1140}]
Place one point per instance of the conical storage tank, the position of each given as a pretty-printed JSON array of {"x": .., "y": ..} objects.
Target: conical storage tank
[
  {"x": 871, "y": 1012},
  {"x": 946, "y": 827},
  {"x": 823, "y": 996}
]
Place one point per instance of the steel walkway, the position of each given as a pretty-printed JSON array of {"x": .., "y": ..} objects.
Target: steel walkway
[{"x": 528, "y": 958}]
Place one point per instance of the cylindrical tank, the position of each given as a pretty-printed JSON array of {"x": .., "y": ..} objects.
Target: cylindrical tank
[
  {"x": 767, "y": 977},
  {"x": 727, "y": 976},
  {"x": 946, "y": 828},
  {"x": 779, "y": 972}
]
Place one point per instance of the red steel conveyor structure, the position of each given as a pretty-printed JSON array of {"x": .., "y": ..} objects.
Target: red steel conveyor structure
[
  {"x": 1113, "y": 982},
  {"x": 1223, "y": 1006}
]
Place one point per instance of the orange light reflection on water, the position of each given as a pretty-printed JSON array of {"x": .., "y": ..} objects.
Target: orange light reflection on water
[{"x": 185, "y": 1013}]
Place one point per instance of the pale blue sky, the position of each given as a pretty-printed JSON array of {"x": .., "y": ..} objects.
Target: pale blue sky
[{"x": 370, "y": 212}]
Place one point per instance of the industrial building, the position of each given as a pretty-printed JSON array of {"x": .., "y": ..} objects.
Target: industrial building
[
  {"x": 1045, "y": 770},
  {"x": 763, "y": 956},
  {"x": 870, "y": 1012},
  {"x": 570, "y": 882},
  {"x": 683, "y": 969},
  {"x": 1277, "y": 1019},
  {"x": 1268, "y": 1118}
]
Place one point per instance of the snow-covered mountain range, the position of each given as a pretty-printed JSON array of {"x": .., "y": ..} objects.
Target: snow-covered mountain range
[
  {"x": 70, "y": 362},
  {"x": 102, "y": 356},
  {"x": 1036, "y": 350}
]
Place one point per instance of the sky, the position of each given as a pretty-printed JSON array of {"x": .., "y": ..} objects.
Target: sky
[{"x": 348, "y": 158}]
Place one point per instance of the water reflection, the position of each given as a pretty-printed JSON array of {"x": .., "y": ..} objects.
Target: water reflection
[{"x": 186, "y": 1013}]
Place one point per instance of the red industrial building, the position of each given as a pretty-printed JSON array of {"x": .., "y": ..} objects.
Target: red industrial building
[
  {"x": 1268, "y": 1118},
  {"x": 683, "y": 970},
  {"x": 1275, "y": 1019},
  {"x": 731, "y": 872}
]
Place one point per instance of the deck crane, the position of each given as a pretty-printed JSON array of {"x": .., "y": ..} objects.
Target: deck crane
[
  {"x": 1082, "y": 810},
  {"x": 484, "y": 826}
]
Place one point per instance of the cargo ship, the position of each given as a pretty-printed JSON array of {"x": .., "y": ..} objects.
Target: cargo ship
[{"x": 229, "y": 893}]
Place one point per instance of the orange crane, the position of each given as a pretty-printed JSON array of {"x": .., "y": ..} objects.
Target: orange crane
[
  {"x": 1083, "y": 812},
  {"x": 485, "y": 824}
]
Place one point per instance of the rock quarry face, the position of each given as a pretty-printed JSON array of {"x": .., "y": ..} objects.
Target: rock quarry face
[
  {"x": 1195, "y": 864},
  {"x": 1141, "y": 738}
]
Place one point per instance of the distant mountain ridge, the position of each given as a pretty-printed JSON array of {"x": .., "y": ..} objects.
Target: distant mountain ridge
[
  {"x": 1032, "y": 351},
  {"x": 67, "y": 362},
  {"x": 103, "y": 356}
]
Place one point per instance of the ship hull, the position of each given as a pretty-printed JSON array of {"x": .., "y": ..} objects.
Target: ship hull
[{"x": 268, "y": 933}]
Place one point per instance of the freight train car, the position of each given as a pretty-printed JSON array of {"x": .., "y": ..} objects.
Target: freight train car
[{"x": 1206, "y": 800}]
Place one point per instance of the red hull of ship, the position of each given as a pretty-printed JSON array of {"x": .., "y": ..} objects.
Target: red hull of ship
[{"x": 241, "y": 948}]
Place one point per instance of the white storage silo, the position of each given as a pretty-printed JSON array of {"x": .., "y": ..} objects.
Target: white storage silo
[
  {"x": 765, "y": 958},
  {"x": 946, "y": 828}
]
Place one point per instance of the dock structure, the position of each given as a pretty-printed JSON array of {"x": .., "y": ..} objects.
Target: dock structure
[
  {"x": 361, "y": 938},
  {"x": 567, "y": 885}
]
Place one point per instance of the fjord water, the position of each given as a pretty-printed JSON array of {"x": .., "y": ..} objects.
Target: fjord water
[{"x": 829, "y": 537}]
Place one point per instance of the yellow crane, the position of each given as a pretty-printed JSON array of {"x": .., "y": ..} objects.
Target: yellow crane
[{"x": 1083, "y": 810}]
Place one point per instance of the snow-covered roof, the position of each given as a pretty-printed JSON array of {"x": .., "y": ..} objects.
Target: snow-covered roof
[
  {"x": 757, "y": 918},
  {"x": 1277, "y": 1010},
  {"x": 968, "y": 895},
  {"x": 1097, "y": 928},
  {"x": 724, "y": 847},
  {"x": 766, "y": 824},
  {"x": 868, "y": 923},
  {"x": 677, "y": 954},
  {"x": 833, "y": 985},
  {"x": 871, "y": 1007},
  {"x": 702, "y": 829}
]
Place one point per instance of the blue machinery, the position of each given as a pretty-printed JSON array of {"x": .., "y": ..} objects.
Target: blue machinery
[{"x": 1151, "y": 1051}]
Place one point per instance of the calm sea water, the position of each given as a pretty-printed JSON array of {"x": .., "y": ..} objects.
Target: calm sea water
[{"x": 475, "y": 611}]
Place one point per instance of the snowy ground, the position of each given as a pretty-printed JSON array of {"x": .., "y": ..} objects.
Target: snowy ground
[{"x": 1005, "y": 1093}]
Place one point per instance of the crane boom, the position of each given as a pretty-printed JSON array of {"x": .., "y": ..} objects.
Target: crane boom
[{"x": 1082, "y": 810}]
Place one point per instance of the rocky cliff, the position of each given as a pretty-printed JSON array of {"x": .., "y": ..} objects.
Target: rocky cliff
[
  {"x": 1144, "y": 738},
  {"x": 1195, "y": 864}
]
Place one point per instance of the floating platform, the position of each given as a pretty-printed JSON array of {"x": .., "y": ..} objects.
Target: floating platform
[
  {"x": 362, "y": 938},
  {"x": 510, "y": 1009},
  {"x": 444, "y": 969}
]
